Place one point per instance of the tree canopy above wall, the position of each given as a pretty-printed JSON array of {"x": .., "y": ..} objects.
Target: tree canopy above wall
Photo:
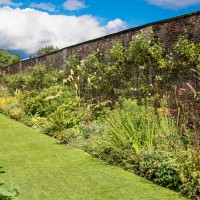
[{"x": 6, "y": 58}]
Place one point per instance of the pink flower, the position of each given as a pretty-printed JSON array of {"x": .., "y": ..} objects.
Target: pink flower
[
  {"x": 190, "y": 86},
  {"x": 194, "y": 70}
]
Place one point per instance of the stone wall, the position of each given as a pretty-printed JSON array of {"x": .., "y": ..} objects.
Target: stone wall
[{"x": 167, "y": 31}]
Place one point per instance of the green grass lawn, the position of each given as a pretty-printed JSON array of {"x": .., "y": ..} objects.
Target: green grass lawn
[{"x": 44, "y": 169}]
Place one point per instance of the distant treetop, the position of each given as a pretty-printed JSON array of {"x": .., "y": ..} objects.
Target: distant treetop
[
  {"x": 6, "y": 58},
  {"x": 47, "y": 49}
]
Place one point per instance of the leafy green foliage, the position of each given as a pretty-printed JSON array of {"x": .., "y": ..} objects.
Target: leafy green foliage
[
  {"x": 38, "y": 78},
  {"x": 4, "y": 92},
  {"x": 121, "y": 71},
  {"x": 6, "y": 58},
  {"x": 61, "y": 120},
  {"x": 132, "y": 127},
  {"x": 146, "y": 141},
  {"x": 67, "y": 136},
  {"x": 47, "y": 49},
  {"x": 190, "y": 51},
  {"x": 46, "y": 102},
  {"x": 8, "y": 190},
  {"x": 189, "y": 173},
  {"x": 155, "y": 136},
  {"x": 161, "y": 167}
]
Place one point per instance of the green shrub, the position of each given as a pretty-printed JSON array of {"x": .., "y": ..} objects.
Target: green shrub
[
  {"x": 17, "y": 81},
  {"x": 132, "y": 127},
  {"x": 60, "y": 120},
  {"x": 160, "y": 167},
  {"x": 189, "y": 174},
  {"x": 167, "y": 174},
  {"x": 38, "y": 78},
  {"x": 42, "y": 77},
  {"x": 4, "y": 92},
  {"x": 188, "y": 50},
  {"x": 120, "y": 71},
  {"x": 6, "y": 58},
  {"x": 89, "y": 137},
  {"x": 46, "y": 102},
  {"x": 6, "y": 102},
  {"x": 11, "y": 107},
  {"x": 67, "y": 136},
  {"x": 69, "y": 114}
]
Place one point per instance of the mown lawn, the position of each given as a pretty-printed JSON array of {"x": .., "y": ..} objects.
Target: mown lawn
[{"x": 45, "y": 169}]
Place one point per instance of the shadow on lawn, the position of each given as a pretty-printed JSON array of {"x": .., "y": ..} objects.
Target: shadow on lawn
[{"x": 1, "y": 170}]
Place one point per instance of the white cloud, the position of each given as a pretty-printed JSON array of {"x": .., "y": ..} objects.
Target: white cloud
[
  {"x": 74, "y": 5},
  {"x": 29, "y": 29},
  {"x": 174, "y": 4},
  {"x": 9, "y": 3},
  {"x": 44, "y": 6},
  {"x": 115, "y": 25}
]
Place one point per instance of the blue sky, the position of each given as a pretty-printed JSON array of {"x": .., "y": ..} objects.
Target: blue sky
[{"x": 25, "y": 26}]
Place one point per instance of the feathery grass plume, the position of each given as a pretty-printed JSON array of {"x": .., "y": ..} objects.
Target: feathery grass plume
[
  {"x": 54, "y": 97},
  {"x": 76, "y": 86},
  {"x": 65, "y": 81},
  {"x": 71, "y": 77}
]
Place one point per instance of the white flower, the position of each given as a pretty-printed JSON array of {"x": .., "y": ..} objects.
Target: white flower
[
  {"x": 158, "y": 78},
  {"x": 88, "y": 80},
  {"x": 82, "y": 62},
  {"x": 141, "y": 67},
  {"x": 71, "y": 72},
  {"x": 134, "y": 89}
]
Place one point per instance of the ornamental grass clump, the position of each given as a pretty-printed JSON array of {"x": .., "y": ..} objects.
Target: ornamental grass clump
[{"x": 133, "y": 127}]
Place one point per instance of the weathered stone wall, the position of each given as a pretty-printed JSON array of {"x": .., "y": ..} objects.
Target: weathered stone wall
[{"x": 167, "y": 31}]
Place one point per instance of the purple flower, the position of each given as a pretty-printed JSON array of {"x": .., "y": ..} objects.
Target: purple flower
[
  {"x": 190, "y": 86},
  {"x": 194, "y": 70}
]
